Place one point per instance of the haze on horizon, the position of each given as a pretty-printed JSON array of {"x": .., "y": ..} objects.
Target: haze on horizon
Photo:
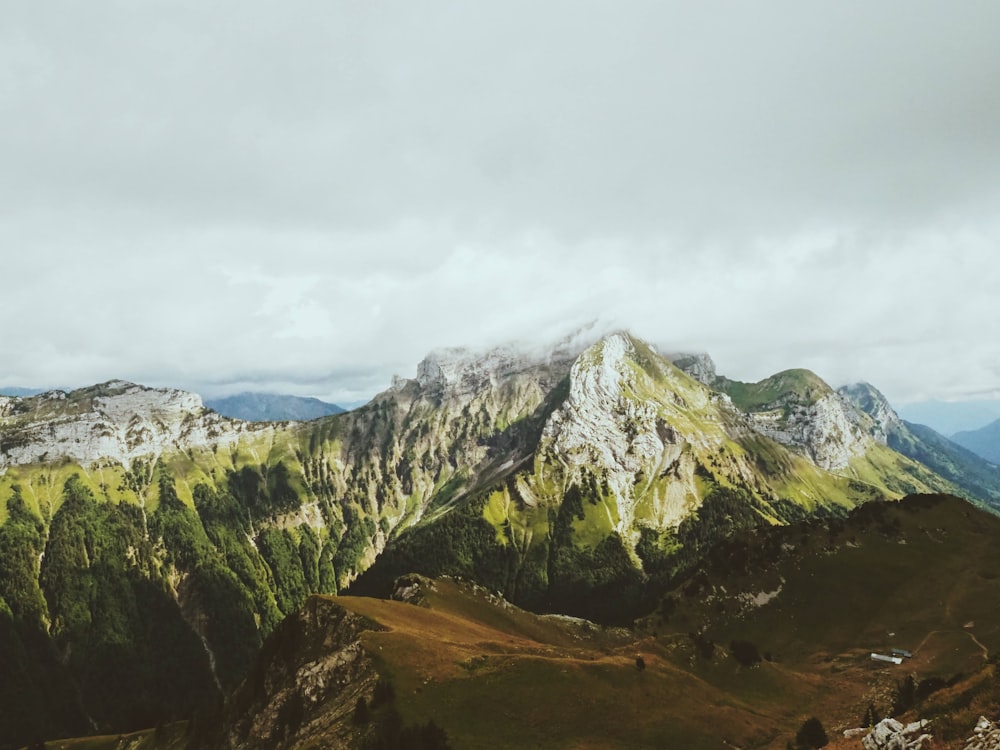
[{"x": 309, "y": 197}]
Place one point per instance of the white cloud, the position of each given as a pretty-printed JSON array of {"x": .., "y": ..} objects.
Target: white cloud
[{"x": 313, "y": 196}]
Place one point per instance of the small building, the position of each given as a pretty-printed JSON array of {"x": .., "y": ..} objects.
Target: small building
[
  {"x": 886, "y": 658},
  {"x": 901, "y": 652}
]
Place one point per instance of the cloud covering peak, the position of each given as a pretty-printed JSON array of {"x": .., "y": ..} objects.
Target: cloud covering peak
[{"x": 314, "y": 195}]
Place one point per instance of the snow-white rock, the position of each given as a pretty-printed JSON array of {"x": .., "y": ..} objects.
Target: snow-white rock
[
  {"x": 829, "y": 430},
  {"x": 890, "y": 734},
  {"x": 462, "y": 372},
  {"x": 601, "y": 427},
  {"x": 116, "y": 421},
  {"x": 986, "y": 736}
]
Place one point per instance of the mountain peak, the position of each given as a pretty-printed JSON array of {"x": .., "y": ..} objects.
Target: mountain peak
[
  {"x": 870, "y": 400},
  {"x": 699, "y": 366},
  {"x": 461, "y": 370}
]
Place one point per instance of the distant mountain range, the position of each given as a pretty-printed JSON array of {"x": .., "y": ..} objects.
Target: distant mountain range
[
  {"x": 271, "y": 407},
  {"x": 984, "y": 442},
  {"x": 951, "y": 417},
  {"x": 20, "y": 392}
]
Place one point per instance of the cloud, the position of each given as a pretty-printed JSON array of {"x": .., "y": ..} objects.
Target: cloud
[{"x": 201, "y": 194}]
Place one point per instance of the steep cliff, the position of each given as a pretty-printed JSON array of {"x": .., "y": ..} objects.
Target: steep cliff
[
  {"x": 115, "y": 421},
  {"x": 305, "y": 684}
]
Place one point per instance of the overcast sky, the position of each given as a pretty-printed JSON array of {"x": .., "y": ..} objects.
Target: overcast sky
[{"x": 308, "y": 197}]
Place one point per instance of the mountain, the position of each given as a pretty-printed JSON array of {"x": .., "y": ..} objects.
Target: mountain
[
  {"x": 949, "y": 417},
  {"x": 270, "y": 407},
  {"x": 150, "y": 545},
  {"x": 984, "y": 442}
]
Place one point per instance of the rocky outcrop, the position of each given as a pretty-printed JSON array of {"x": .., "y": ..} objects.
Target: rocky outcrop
[
  {"x": 890, "y": 734},
  {"x": 602, "y": 425},
  {"x": 305, "y": 684},
  {"x": 115, "y": 421},
  {"x": 830, "y": 431},
  {"x": 986, "y": 736},
  {"x": 870, "y": 400},
  {"x": 412, "y": 589},
  {"x": 698, "y": 366}
]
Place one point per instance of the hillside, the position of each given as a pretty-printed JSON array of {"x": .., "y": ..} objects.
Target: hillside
[{"x": 581, "y": 481}]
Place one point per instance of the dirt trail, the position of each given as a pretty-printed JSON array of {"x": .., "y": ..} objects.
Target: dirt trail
[
  {"x": 986, "y": 651},
  {"x": 979, "y": 643}
]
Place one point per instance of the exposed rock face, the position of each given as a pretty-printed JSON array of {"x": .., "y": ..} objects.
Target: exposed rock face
[
  {"x": 463, "y": 372},
  {"x": 412, "y": 589},
  {"x": 602, "y": 428},
  {"x": 698, "y": 366},
  {"x": 986, "y": 736},
  {"x": 117, "y": 420},
  {"x": 305, "y": 684},
  {"x": 870, "y": 400},
  {"x": 609, "y": 425},
  {"x": 829, "y": 430},
  {"x": 890, "y": 734}
]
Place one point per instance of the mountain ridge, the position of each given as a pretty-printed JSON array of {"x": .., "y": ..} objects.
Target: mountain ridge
[
  {"x": 580, "y": 482},
  {"x": 984, "y": 442},
  {"x": 272, "y": 407}
]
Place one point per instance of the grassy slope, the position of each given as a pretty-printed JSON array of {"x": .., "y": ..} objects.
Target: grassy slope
[
  {"x": 924, "y": 577},
  {"x": 501, "y": 678},
  {"x": 42, "y": 484},
  {"x": 804, "y": 385}
]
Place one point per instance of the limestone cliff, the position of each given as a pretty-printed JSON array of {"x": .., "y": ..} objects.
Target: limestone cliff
[
  {"x": 870, "y": 400},
  {"x": 828, "y": 430},
  {"x": 116, "y": 421},
  {"x": 305, "y": 683}
]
